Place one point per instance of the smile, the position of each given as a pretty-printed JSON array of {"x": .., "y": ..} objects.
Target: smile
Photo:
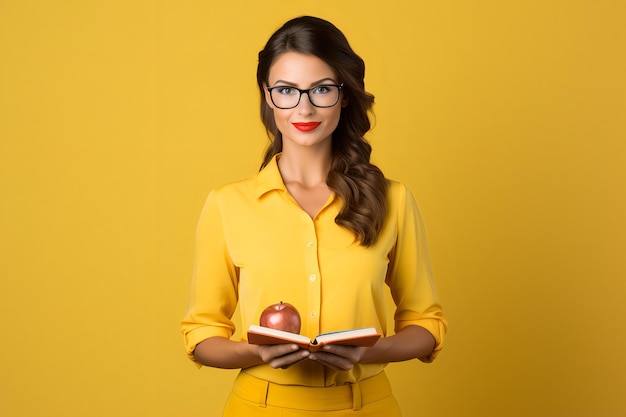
[{"x": 306, "y": 127}]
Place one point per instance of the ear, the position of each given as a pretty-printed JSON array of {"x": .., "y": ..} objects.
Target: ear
[
  {"x": 268, "y": 99},
  {"x": 344, "y": 100}
]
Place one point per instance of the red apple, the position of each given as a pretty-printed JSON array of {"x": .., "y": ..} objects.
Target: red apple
[{"x": 282, "y": 316}]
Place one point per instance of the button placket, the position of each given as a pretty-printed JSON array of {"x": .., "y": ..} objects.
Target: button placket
[{"x": 314, "y": 283}]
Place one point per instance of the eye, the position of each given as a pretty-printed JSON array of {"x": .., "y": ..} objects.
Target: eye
[
  {"x": 321, "y": 89},
  {"x": 285, "y": 90}
]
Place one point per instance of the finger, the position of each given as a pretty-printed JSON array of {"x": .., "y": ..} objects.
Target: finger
[
  {"x": 269, "y": 352},
  {"x": 351, "y": 353},
  {"x": 300, "y": 357},
  {"x": 285, "y": 361},
  {"x": 335, "y": 362}
]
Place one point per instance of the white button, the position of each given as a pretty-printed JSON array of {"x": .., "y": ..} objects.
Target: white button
[
  {"x": 310, "y": 244},
  {"x": 313, "y": 313},
  {"x": 312, "y": 277}
]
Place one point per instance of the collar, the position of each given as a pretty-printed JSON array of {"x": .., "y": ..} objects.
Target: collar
[{"x": 269, "y": 179}]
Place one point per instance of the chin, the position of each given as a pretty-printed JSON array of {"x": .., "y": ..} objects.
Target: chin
[{"x": 306, "y": 140}]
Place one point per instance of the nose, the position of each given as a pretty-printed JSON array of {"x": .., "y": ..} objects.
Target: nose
[{"x": 305, "y": 106}]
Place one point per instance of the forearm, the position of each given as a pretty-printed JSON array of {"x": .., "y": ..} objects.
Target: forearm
[
  {"x": 219, "y": 352},
  {"x": 409, "y": 343}
]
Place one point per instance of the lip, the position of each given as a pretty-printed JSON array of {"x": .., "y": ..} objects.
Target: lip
[{"x": 307, "y": 126}]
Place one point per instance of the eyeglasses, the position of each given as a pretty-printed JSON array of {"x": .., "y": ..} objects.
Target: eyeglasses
[{"x": 323, "y": 96}]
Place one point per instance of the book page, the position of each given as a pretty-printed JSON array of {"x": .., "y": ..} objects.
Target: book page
[{"x": 346, "y": 334}]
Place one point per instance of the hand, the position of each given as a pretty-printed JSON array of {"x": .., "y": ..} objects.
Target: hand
[
  {"x": 282, "y": 355},
  {"x": 338, "y": 357}
]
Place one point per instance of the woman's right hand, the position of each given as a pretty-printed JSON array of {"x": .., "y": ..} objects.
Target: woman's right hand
[
  {"x": 282, "y": 355},
  {"x": 221, "y": 352}
]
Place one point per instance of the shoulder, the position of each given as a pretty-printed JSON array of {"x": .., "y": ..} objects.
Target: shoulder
[
  {"x": 223, "y": 198},
  {"x": 400, "y": 200},
  {"x": 397, "y": 192},
  {"x": 253, "y": 187},
  {"x": 237, "y": 189},
  {"x": 396, "y": 187}
]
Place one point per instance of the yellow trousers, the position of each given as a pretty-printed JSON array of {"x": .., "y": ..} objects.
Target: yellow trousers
[{"x": 253, "y": 397}]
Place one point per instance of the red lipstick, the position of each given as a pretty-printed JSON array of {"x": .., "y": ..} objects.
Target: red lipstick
[{"x": 306, "y": 127}]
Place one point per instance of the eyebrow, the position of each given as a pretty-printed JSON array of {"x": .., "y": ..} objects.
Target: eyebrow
[{"x": 289, "y": 83}]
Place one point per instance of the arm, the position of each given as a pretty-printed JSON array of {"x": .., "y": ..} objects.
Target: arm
[
  {"x": 412, "y": 342},
  {"x": 409, "y": 343},
  {"x": 220, "y": 352}
]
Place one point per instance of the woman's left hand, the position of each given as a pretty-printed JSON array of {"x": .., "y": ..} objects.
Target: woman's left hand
[
  {"x": 338, "y": 357},
  {"x": 408, "y": 343}
]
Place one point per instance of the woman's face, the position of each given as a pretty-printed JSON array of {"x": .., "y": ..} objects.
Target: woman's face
[{"x": 304, "y": 125}]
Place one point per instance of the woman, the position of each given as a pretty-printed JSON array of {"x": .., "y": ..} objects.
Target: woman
[{"x": 318, "y": 227}]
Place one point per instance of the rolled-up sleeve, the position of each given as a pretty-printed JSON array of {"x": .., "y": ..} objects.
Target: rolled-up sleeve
[
  {"x": 213, "y": 292},
  {"x": 410, "y": 276}
]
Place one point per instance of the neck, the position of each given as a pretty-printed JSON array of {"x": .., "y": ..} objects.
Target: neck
[{"x": 308, "y": 167}]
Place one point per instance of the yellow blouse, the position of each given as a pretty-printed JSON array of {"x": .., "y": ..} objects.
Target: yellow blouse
[{"x": 256, "y": 246}]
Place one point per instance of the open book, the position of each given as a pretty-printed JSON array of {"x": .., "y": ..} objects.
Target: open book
[{"x": 259, "y": 335}]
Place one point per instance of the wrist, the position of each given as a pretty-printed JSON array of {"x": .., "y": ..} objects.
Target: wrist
[
  {"x": 249, "y": 354},
  {"x": 376, "y": 353}
]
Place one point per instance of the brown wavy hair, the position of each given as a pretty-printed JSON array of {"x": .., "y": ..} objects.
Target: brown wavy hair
[{"x": 361, "y": 185}]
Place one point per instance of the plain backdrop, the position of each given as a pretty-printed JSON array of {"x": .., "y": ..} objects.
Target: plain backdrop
[{"x": 507, "y": 119}]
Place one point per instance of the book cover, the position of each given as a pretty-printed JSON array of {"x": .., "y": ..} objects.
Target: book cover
[{"x": 259, "y": 335}]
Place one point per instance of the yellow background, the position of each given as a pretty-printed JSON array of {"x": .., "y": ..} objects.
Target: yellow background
[{"x": 506, "y": 118}]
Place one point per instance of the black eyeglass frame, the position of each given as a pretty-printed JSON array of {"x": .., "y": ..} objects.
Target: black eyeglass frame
[{"x": 307, "y": 92}]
